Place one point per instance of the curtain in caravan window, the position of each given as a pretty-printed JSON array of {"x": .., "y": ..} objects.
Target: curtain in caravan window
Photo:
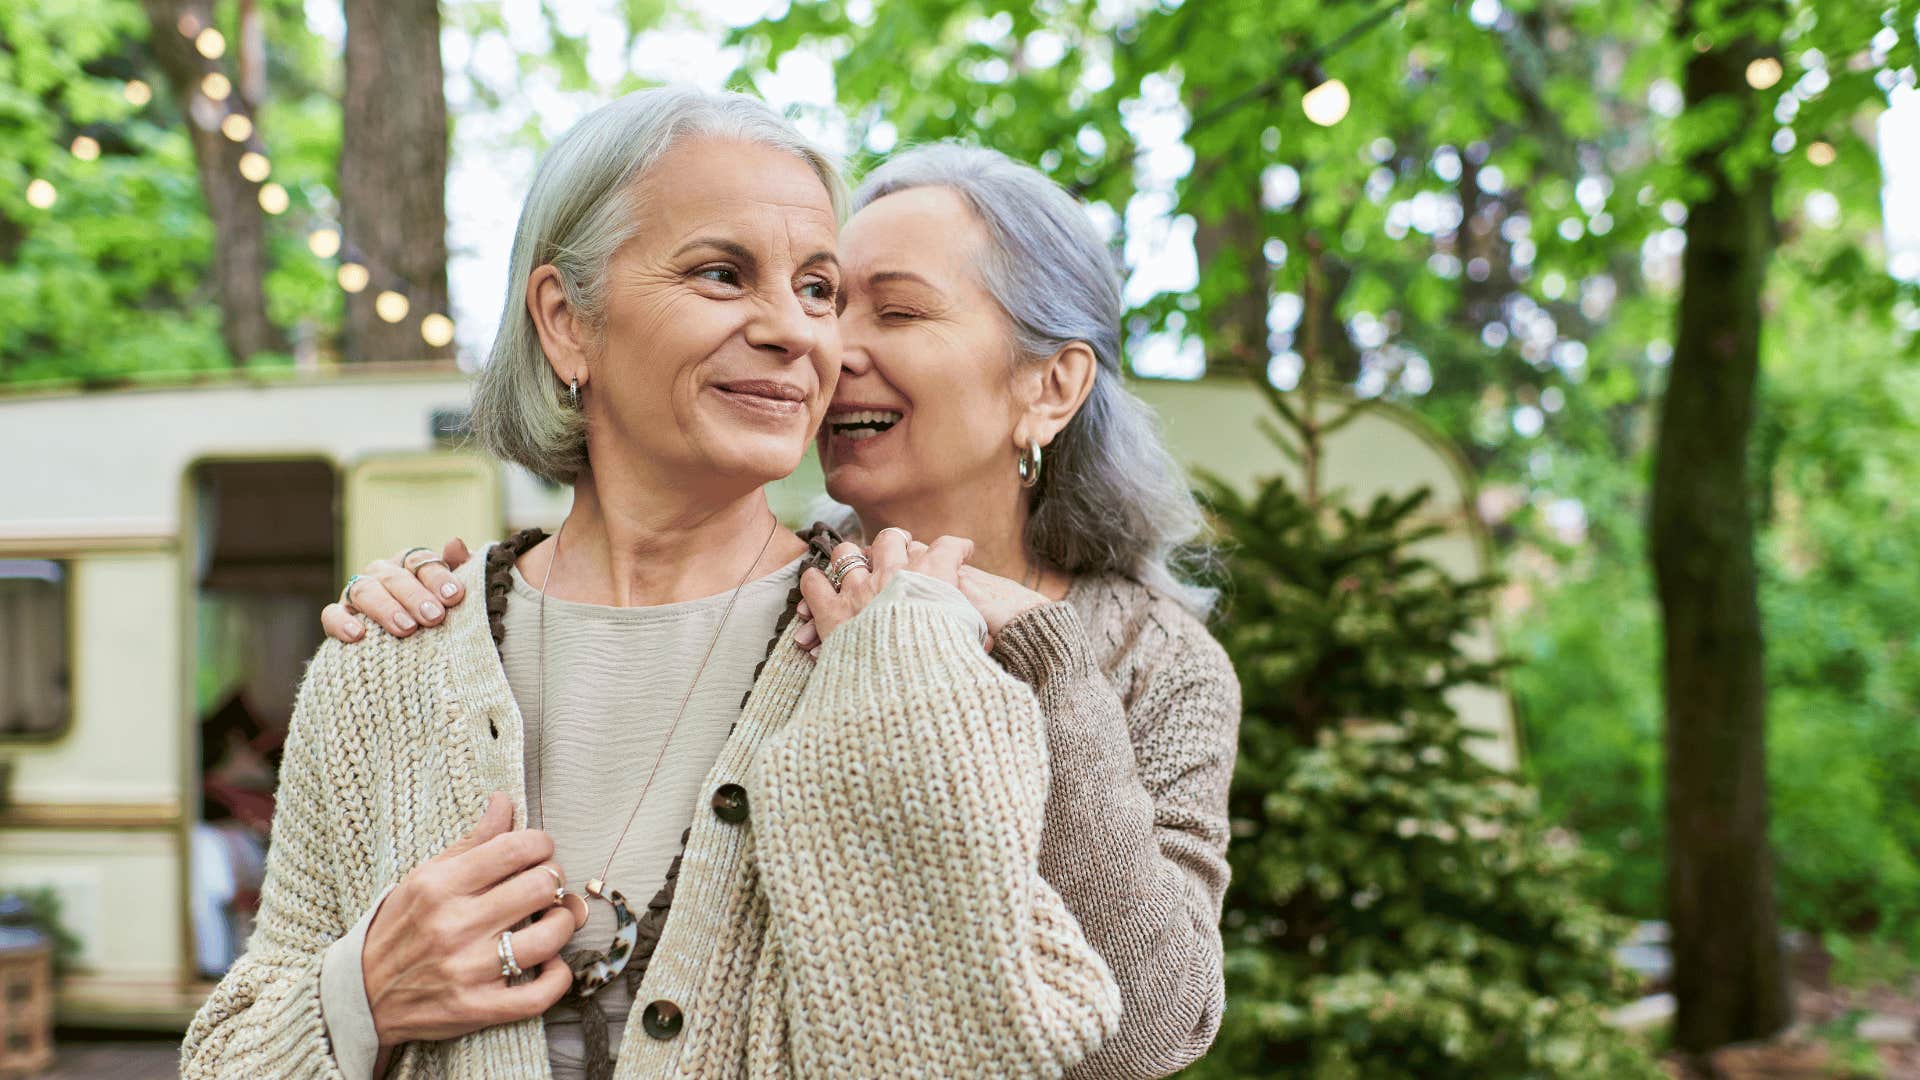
[{"x": 34, "y": 664}]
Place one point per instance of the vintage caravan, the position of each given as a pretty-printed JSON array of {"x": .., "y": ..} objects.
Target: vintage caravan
[{"x": 165, "y": 550}]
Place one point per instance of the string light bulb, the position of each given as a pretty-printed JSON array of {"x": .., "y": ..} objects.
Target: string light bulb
[
  {"x": 324, "y": 243},
  {"x": 391, "y": 306},
  {"x": 1764, "y": 72},
  {"x": 137, "y": 93},
  {"x": 436, "y": 330},
  {"x": 237, "y": 127},
  {"x": 352, "y": 276},
  {"x": 41, "y": 194},
  {"x": 188, "y": 25},
  {"x": 255, "y": 166},
  {"x": 211, "y": 43},
  {"x": 274, "y": 199},
  {"x": 1821, "y": 153},
  {"x": 86, "y": 147},
  {"x": 216, "y": 86},
  {"x": 1327, "y": 103}
]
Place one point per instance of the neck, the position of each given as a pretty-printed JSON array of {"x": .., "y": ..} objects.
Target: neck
[
  {"x": 632, "y": 546},
  {"x": 996, "y": 522}
]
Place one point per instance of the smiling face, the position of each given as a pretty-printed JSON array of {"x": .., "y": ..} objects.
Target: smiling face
[
  {"x": 717, "y": 347},
  {"x": 927, "y": 400}
]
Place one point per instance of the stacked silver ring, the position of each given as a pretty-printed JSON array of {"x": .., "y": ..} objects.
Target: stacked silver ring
[
  {"x": 346, "y": 594},
  {"x": 509, "y": 967},
  {"x": 845, "y": 565}
]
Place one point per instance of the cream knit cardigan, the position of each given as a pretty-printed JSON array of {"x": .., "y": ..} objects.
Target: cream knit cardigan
[{"x": 880, "y": 912}]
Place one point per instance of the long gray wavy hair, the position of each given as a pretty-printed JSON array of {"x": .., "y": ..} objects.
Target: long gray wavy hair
[{"x": 1110, "y": 497}]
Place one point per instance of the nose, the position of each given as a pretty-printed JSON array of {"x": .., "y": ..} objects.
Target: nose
[{"x": 781, "y": 326}]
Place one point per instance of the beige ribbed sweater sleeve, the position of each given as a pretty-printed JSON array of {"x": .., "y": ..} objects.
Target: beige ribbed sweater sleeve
[
  {"x": 898, "y": 818},
  {"x": 1136, "y": 835},
  {"x": 264, "y": 1018}
]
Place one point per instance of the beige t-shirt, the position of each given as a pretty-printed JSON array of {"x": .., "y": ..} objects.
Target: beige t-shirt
[{"x": 615, "y": 678}]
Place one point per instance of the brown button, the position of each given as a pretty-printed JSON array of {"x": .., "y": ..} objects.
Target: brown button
[
  {"x": 662, "y": 1019},
  {"x": 730, "y": 803}
]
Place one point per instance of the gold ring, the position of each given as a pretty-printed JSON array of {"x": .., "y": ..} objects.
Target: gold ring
[{"x": 559, "y": 883}]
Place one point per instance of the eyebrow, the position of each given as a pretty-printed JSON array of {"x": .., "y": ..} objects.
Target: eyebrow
[
  {"x": 739, "y": 251},
  {"x": 884, "y": 277}
]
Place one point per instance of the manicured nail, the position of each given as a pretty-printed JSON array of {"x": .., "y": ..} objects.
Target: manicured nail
[
  {"x": 404, "y": 621},
  {"x": 447, "y": 590},
  {"x": 355, "y": 632},
  {"x": 431, "y": 610}
]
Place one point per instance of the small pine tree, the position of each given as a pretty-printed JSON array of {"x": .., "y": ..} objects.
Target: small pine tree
[{"x": 1398, "y": 908}]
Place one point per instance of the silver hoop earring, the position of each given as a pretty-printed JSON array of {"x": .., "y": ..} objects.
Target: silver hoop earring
[
  {"x": 1029, "y": 464},
  {"x": 573, "y": 392}
]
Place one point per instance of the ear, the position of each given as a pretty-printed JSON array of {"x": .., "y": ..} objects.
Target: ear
[
  {"x": 1062, "y": 383},
  {"x": 563, "y": 335}
]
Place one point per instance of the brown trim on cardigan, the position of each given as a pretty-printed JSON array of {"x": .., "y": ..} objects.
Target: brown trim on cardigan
[{"x": 501, "y": 558}]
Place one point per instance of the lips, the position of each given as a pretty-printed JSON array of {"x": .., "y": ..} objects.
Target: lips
[{"x": 770, "y": 389}]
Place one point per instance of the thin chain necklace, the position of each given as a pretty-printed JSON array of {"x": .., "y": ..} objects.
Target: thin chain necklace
[{"x": 626, "y": 932}]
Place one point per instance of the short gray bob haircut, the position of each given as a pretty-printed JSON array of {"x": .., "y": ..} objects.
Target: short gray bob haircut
[
  {"x": 579, "y": 212},
  {"x": 1110, "y": 497}
]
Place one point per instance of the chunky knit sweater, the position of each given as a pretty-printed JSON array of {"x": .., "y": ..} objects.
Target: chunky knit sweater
[{"x": 877, "y": 851}]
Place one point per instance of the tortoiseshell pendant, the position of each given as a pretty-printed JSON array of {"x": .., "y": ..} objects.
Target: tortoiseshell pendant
[{"x": 626, "y": 933}]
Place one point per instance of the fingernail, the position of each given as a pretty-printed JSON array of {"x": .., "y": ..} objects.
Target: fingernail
[
  {"x": 404, "y": 621},
  {"x": 355, "y": 632},
  {"x": 447, "y": 590},
  {"x": 431, "y": 610}
]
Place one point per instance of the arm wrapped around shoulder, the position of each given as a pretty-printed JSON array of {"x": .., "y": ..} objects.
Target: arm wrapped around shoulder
[
  {"x": 898, "y": 834},
  {"x": 264, "y": 1018}
]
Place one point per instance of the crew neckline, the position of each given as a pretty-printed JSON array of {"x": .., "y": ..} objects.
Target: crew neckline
[{"x": 784, "y": 576}]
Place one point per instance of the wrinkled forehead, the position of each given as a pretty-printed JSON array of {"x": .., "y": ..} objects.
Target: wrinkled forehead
[
  {"x": 928, "y": 230},
  {"x": 704, "y": 184}
]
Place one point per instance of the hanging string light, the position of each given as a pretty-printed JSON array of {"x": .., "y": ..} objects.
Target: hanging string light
[
  {"x": 216, "y": 86},
  {"x": 1327, "y": 103},
  {"x": 1821, "y": 153},
  {"x": 86, "y": 147},
  {"x": 274, "y": 199},
  {"x": 436, "y": 330},
  {"x": 391, "y": 306},
  {"x": 211, "y": 43},
  {"x": 324, "y": 243},
  {"x": 1764, "y": 72},
  {"x": 41, "y": 194},
  {"x": 237, "y": 127},
  {"x": 137, "y": 93},
  {"x": 352, "y": 277},
  {"x": 255, "y": 166}
]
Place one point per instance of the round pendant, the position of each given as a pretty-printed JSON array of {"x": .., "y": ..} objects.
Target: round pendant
[{"x": 626, "y": 933}]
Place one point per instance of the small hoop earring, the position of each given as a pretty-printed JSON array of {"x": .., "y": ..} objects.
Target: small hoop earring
[
  {"x": 573, "y": 392},
  {"x": 1029, "y": 464}
]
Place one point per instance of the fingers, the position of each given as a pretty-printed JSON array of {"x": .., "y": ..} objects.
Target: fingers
[
  {"x": 543, "y": 938},
  {"x": 889, "y": 552},
  {"x": 857, "y": 573},
  {"x": 372, "y": 597},
  {"x": 807, "y": 637},
  {"x": 802, "y": 612},
  {"x": 944, "y": 558},
  {"x": 535, "y": 997},
  {"x": 407, "y": 589},
  {"x": 341, "y": 624},
  {"x": 439, "y": 581},
  {"x": 492, "y": 862},
  {"x": 819, "y": 595},
  {"x": 494, "y": 821},
  {"x": 526, "y": 893},
  {"x": 456, "y": 553}
]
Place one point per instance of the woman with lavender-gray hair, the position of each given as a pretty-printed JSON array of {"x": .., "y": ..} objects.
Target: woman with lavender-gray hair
[{"x": 981, "y": 395}]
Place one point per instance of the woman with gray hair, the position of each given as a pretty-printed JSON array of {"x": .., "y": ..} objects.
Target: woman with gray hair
[
  {"x": 980, "y": 395},
  {"x": 842, "y": 860}
]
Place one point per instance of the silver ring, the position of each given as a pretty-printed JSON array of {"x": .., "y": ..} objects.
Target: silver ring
[
  {"x": 905, "y": 536},
  {"x": 509, "y": 968},
  {"x": 346, "y": 594},
  {"x": 845, "y": 565},
  {"x": 423, "y": 564}
]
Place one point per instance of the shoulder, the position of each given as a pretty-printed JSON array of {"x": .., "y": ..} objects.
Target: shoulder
[{"x": 1134, "y": 626}]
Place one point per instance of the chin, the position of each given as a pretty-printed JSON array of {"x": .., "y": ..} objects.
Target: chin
[{"x": 762, "y": 457}]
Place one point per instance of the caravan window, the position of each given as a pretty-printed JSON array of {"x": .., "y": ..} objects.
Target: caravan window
[{"x": 35, "y": 664}]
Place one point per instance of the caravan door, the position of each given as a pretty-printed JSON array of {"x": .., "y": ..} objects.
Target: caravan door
[{"x": 397, "y": 501}]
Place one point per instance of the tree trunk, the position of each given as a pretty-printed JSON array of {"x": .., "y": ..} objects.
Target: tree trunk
[
  {"x": 233, "y": 201},
  {"x": 393, "y": 173},
  {"x": 1728, "y": 972}
]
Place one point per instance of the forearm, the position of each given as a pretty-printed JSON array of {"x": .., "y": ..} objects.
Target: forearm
[
  {"x": 1146, "y": 890},
  {"x": 898, "y": 843}
]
